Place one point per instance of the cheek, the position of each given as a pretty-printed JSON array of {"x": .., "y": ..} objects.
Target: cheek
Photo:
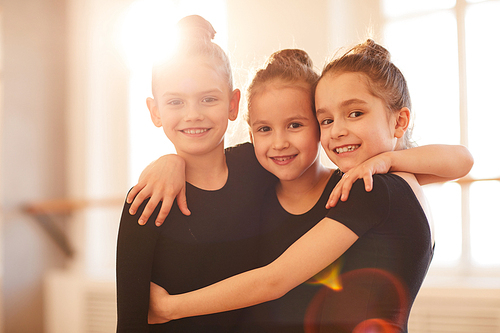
[
  {"x": 260, "y": 148},
  {"x": 309, "y": 140},
  {"x": 220, "y": 116},
  {"x": 324, "y": 139},
  {"x": 169, "y": 118}
]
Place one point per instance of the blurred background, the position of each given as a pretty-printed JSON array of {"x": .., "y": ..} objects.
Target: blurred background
[{"x": 75, "y": 134}]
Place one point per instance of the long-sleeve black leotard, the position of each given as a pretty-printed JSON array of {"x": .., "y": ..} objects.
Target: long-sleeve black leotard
[{"x": 219, "y": 239}]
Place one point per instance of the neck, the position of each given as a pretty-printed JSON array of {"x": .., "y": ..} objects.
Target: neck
[
  {"x": 207, "y": 171},
  {"x": 301, "y": 194}
]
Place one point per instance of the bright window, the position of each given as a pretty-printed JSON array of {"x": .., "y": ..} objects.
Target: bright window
[{"x": 448, "y": 53}]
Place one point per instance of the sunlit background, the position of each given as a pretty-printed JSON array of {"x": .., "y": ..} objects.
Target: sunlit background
[
  {"x": 75, "y": 75},
  {"x": 147, "y": 31}
]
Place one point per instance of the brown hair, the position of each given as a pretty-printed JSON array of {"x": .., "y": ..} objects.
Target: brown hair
[
  {"x": 195, "y": 39},
  {"x": 384, "y": 79},
  {"x": 288, "y": 66}
]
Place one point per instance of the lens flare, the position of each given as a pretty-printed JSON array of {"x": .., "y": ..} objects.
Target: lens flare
[
  {"x": 367, "y": 300},
  {"x": 375, "y": 325},
  {"x": 329, "y": 276}
]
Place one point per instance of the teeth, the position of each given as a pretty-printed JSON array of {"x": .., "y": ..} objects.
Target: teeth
[
  {"x": 282, "y": 159},
  {"x": 195, "y": 131},
  {"x": 346, "y": 149}
]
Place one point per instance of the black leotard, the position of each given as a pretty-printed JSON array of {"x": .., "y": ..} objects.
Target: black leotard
[{"x": 218, "y": 240}]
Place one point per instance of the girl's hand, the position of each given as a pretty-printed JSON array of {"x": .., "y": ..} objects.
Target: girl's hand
[
  {"x": 378, "y": 164},
  {"x": 158, "y": 300},
  {"x": 163, "y": 180}
]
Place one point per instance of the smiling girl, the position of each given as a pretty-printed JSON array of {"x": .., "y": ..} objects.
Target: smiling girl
[
  {"x": 383, "y": 236},
  {"x": 193, "y": 99}
]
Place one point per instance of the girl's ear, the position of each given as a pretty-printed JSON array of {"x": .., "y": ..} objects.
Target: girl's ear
[
  {"x": 402, "y": 122},
  {"x": 154, "y": 112},
  {"x": 234, "y": 104}
]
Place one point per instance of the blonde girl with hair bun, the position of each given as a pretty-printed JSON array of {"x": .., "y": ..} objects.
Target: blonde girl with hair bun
[{"x": 193, "y": 100}]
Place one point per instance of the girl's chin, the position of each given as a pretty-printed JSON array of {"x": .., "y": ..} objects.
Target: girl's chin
[{"x": 283, "y": 176}]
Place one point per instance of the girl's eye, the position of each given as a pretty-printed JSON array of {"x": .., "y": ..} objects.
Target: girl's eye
[
  {"x": 294, "y": 125},
  {"x": 264, "y": 129},
  {"x": 355, "y": 114},
  {"x": 209, "y": 99},
  {"x": 175, "y": 102},
  {"x": 326, "y": 121}
]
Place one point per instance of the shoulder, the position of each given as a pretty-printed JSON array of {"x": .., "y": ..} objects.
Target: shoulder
[
  {"x": 394, "y": 180},
  {"x": 243, "y": 150},
  {"x": 130, "y": 232},
  {"x": 375, "y": 200},
  {"x": 396, "y": 184},
  {"x": 242, "y": 162},
  {"x": 242, "y": 157},
  {"x": 379, "y": 192},
  {"x": 130, "y": 222},
  {"x": 363, "y": 210}
]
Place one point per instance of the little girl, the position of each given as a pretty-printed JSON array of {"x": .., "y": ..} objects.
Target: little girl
[
  {"x": 383, "y": 236},
  {"x": 193, "y": 98}
]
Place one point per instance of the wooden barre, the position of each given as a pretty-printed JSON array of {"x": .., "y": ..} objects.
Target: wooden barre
[{"x": 66, "y": 206}]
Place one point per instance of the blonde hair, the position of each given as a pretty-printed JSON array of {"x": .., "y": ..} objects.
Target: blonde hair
[{"x": 195, "y": 39}]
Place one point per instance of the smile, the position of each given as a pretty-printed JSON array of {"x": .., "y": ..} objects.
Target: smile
[
  {"x": 346, "y": 149},
  {"x": 194, "y": 130},
  {"x": 283, "y": 159}
]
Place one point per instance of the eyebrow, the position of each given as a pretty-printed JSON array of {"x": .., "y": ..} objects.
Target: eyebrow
[
  {"x": 205, "y": 92},
  {"x": 352, "y": 101},
  {"x": 260, "y": 122},
  {"x": 345, "y": 104}
]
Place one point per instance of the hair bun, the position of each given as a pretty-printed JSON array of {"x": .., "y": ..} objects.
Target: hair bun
[
  {"x": 288, "y": 55},
  {"x": 195, "y": 27},
  {"x": 373, "y": 50}
]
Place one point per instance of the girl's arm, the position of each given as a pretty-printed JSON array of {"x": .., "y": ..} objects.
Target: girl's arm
[
  {"x": 163, "y": 180},
  {"x": 430, "y": 164},
  {"x": 134, "y": 262},
  {"x": 295, "y": 266}
]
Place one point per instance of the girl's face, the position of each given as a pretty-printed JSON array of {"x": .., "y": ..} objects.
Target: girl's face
[
  {"x": 284, "y": 129},
  {"x": 355, "y": 125},
  {"x": 193, "y": 103}
]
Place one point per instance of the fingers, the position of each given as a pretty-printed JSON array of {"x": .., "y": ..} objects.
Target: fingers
[
  {"x": 149, "y": 209},
  {"x": 133, "y": 192},
  {"x": 165, "y": 209},
  {"x": 368, "y": 179},
  {"x": 138, "y": 200},
  {"x": 333, "y": 199},
  {"x": 182, "y": 202},
  {"x": 336, "y": 193},
  {"x": 167, "y": 203},
  {"x": 341, "y": 190},
  {"x": 346, "y": 187}
]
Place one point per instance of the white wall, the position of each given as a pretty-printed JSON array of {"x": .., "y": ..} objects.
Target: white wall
[{"x": 33, "y": 150}]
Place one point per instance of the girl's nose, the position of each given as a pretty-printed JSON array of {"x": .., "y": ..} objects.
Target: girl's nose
[
  {"x": 193, "y": 113},
  {"x": 280, "y": 142},
  {"x": 338, "y": 129}
]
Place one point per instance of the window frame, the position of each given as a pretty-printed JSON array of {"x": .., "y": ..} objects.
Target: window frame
[{"x": 465, "y": 267}]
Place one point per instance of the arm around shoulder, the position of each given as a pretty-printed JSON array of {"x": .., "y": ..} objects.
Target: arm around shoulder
[
  {"x": 314, "y": 251},
  {"x": 163, "y": 180},
  {"x": 433, "y": 163}
]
